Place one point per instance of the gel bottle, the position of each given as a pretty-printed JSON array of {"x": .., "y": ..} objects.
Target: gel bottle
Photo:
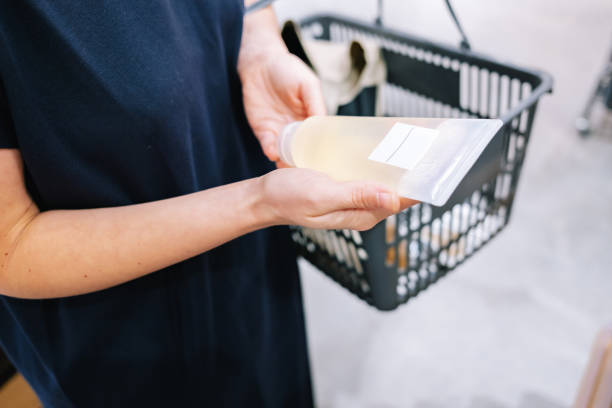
[{"x": 420, "y": 158}]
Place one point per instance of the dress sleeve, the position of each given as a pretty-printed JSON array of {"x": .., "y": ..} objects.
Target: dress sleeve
[{"x": 8, "y": 139}]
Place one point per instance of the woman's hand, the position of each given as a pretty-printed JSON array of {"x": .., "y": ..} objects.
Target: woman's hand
[
  {"x": 311, "y": 199},
  {"x": 277, "y": 87},
  {"x": 62, "y": 253}
]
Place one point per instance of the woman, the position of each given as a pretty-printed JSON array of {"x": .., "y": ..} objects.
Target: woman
[{"x": 141, "y": 262}]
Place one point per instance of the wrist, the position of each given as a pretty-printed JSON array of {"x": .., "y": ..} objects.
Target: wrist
[
  {"x": 263, "y": 210},
  {"x": 261, "y": 39}
]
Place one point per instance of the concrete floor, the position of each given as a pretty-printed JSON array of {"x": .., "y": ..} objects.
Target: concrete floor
[{"x": 513, "y": 326}]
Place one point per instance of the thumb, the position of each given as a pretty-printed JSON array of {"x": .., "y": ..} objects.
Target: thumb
[
  {"x": 312, "y": 97},
  {"x": 368, "y": 196},
  {"x": 267, "y": 140}
]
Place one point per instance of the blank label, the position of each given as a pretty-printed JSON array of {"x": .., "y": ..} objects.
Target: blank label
[{"x": 404, "y": 145}]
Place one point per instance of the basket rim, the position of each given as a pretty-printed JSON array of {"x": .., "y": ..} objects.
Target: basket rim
[{"x": 543, "y": 79}]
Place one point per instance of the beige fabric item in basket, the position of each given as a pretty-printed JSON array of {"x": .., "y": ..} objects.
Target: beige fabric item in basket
[{"x": 344, "y": 68}]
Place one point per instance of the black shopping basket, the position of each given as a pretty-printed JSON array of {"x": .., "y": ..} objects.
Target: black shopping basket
[{"x": 401, "y": 257}]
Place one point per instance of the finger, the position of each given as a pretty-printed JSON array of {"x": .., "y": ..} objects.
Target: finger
[
  {"x": 267, "y": 140},
  {"x": 313, "y": 98},
  {"x": 359, "y": 220},
  {"x": 407, "y": 202}
]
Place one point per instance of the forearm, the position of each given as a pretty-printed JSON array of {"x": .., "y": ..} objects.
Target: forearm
[{"x": 65, "y": 253}]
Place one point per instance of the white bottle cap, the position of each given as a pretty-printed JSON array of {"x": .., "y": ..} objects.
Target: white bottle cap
[{"x": 284, "y": 142}]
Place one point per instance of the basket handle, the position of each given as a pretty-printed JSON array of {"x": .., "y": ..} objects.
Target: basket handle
[{"x": 463, "y": 44}]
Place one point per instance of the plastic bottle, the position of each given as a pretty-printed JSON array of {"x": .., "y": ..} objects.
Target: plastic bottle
[{"x": 420, "y": 158}]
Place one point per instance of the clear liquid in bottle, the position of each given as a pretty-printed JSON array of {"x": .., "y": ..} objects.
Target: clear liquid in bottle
[{"x": 341, "y": 146}]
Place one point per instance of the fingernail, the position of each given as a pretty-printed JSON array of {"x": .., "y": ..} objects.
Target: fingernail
[{"x": 385, "y": 200}]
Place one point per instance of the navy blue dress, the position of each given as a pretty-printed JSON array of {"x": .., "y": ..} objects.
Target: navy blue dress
[{"x": 115, "y": 102}]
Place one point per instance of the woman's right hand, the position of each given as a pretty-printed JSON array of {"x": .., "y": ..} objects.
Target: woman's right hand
[{"x": 311, "y": 199}]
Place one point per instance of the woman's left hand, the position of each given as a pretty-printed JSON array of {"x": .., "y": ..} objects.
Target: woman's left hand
[{"x": 278, "y": 88}]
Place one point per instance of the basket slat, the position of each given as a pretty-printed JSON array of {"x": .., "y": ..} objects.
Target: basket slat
[{"x": 403, "y": 256}]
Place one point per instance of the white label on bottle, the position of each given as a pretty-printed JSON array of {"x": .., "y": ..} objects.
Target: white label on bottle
[{"x": 404, "y": 145}]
